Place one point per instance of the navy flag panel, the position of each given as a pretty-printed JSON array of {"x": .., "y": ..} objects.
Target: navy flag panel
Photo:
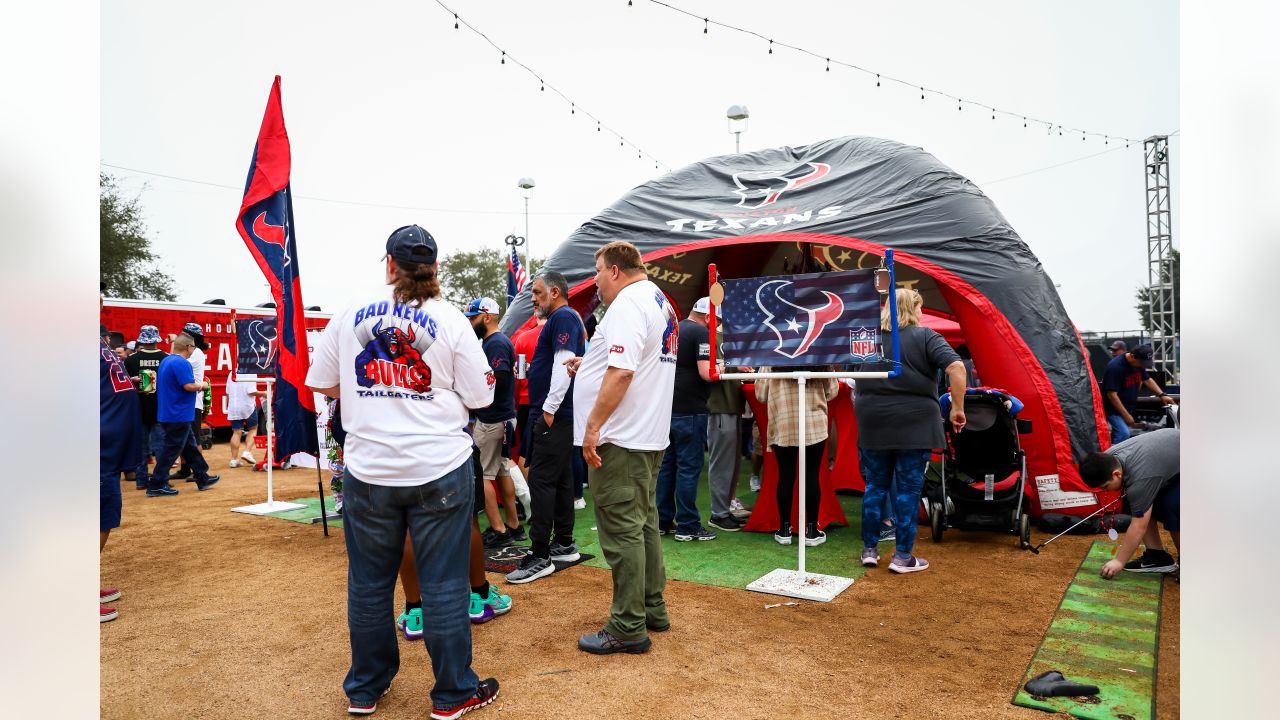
[{"x": 828, "y": 318}]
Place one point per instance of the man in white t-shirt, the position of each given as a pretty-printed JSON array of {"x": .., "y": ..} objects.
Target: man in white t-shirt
[
  {"x": 407, "y": 368},
  {"x": 623, "y": 392},
  {"x": 242, "y": 413}
]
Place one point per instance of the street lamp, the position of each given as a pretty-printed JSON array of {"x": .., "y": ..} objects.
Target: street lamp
[
  {"x": 526, "y": 184},
  {"x": 737, "y": 115}
]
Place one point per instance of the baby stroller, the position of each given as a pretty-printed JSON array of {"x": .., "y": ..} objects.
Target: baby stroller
[{"x": 982, "y": 479}]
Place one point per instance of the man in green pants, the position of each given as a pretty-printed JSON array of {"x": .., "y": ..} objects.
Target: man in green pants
[{"x": 622, "y": 389}]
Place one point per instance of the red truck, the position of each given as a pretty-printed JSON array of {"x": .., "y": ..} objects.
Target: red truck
[{"x": 123, "y": 319}]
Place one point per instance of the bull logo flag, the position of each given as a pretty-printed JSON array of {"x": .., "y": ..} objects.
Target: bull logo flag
[
  {"x": 265, "y": 222},
  {"x": 801, "y": 319}
]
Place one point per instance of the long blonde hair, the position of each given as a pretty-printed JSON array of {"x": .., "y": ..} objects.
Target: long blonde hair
[{"x": 909, "y": 304}]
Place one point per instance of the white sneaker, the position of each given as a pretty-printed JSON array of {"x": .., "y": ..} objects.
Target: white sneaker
[
  {"x": 248, "y": 457},
  {"x": 580, "y": 504},
  {"x": 755, "y": 483},
  {"x": 234, "y": 463},
  {"x": 738, "y": 510}
]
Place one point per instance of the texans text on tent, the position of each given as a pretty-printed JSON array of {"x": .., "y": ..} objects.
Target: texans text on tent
[{"x": 730, "y": 223}]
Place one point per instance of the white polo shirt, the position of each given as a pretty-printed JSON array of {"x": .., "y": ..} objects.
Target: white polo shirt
[
  {"x": 408, "y": 377},
  {"x": 639, "y": 332}
]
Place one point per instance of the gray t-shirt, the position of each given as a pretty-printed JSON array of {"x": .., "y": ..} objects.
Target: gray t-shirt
[
  {"x": 902, "y": 413},
  {"x": 1150, "y": 461}
]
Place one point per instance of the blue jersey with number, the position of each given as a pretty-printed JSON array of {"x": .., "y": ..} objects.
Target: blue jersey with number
[{"x": 119, "y": 418}]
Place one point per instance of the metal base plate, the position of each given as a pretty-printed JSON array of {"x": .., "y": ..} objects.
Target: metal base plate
[
  {"x": 805, "y": 586},
  {"x": 267, "y": 508}
]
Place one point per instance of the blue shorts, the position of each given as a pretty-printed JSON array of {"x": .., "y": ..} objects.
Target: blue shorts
[
  {"x": 1166, "y": 509},
  {"x": 108, "y": 500},
  {"x": 247, "y": 424}
]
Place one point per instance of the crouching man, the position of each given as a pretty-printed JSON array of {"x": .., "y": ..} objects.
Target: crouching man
[{"x": 1146, "y": 469}]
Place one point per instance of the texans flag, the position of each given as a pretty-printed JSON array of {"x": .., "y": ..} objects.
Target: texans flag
[
  {"x": 265, "y": 222},
  {"x": 828, "y": 318},
  {"x": 516, "y": 277}
]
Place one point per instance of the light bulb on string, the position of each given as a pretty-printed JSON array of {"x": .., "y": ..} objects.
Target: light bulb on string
[
  {"x": 573, "y": 109},
  {"x": 1106, "y": 140},
  {"x": 628, "y": 3},
  {"x": 877, "y": 79},
  {"x": 455, "y": 21},
  {"x": 1059, "y": 131},
  {"x": 993, "y": 114},
  {"x": 770, "y": 47},
  {"x": 704, "y": 26},
  {"x": 959, "y": 105},
  {"x": 504, "y": 57},
  {"x": 828, "y": 64},
  {"x": 597, "y": 126},
  {"x": 1024, "y": 121},
  {"x": 543, "y": 84},
  {"x": 921, "y": 93}
]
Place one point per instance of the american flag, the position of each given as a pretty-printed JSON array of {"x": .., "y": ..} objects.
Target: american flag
[
  {"x": 516, "y": 277},
  {"x": 828, "y": 318}
]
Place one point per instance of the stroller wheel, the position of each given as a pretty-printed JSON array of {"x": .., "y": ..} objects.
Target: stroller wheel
[
  {"x": 1024, "y": 531},
  {"x": 937, "y": 521}
]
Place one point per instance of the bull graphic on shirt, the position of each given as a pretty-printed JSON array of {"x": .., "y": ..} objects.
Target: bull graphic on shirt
[
  {"x": 671, "y": 335},
  {"x": 391, "y": 358}
]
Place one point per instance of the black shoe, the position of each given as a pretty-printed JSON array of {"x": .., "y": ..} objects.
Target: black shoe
[
  {"x": 728, "y": 523},
  {"x": 1153, "y": 561},
  {"x": 520, "y": 512},
  {"x": 182, "y": 474},
  {"x": 813, "y": 536},
  {"x": 161, "y": 492},
  {"x": 603, "y": 643},
  {"x": 701, "y": 535},
  {"x": 517, "y": 534},
  {"x": 486, "y": 693},
  {"x": 783, "y": 536},
  {"x": 208, "y": 483},
  {"x": 565, "y": 553},
  {"x": 666, "y": 531},
  {"x": 496, "y": 539}
]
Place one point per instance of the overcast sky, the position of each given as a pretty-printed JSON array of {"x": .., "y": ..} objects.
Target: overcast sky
[{"x": 390, "y": 105}]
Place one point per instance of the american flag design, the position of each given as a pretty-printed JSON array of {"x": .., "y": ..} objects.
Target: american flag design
[
  {"x": 516, "y": 276},
  {"x": 788, "y": 320}
]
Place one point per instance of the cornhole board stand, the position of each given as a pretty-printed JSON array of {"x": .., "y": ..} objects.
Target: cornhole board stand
[
  {"x": 271, "y": 505},
  {"x": 781, "y": 581}
]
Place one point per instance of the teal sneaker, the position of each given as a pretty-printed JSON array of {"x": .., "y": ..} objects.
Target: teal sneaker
[
  {"x": 410, "y": 623},
  {"x": 482, "y": 610}
]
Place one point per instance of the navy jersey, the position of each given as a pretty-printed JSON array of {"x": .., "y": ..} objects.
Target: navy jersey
[
  {"x": 119, "y": 418},
  {"x": 502, "y": 359}
]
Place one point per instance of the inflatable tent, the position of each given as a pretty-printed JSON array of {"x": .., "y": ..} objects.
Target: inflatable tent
[{"x": 837, "y": 205}]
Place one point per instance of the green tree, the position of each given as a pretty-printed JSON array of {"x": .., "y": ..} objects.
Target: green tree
[
  {"x": 126, "y": 262},
  {"x": 470, "y": 274},
  {"x": 1143, "y": 295}
]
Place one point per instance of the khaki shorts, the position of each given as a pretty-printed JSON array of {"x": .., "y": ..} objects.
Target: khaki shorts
[{"x": 488, "y": 438}]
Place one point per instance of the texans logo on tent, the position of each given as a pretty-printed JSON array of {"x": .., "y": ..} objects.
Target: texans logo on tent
[
  {"x": 391, "y": 357},
  {"x": 757, "y": 188},
  {"x": 802, "y": 325},
  {"x": 864, "y": 344}
]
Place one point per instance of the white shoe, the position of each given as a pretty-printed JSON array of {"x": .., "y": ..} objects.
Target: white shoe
[
  {"x": 580, "y": 504},
  {"x": 755, "y": 483},
  {"x": 738, "y": 510},
  {"x": 234, "y": 463},
  {"x": 248, "y": 457}
]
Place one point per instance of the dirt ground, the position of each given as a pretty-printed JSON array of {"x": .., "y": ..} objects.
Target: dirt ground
[{"x": 227, "y": 615}]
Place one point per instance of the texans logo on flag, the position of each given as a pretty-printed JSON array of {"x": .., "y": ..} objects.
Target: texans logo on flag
[{"x": 802, "y": 325}]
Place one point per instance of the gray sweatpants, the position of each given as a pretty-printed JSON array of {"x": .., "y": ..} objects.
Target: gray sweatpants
[{"x": 722, "y": 471}]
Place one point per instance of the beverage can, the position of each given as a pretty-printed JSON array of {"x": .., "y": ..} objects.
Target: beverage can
[
  {"x": 522, "y": 367},
  {"x": 147, "y": 381}
]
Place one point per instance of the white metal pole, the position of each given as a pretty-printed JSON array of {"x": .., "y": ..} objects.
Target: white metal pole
[
  {"x": 799, "y": 532},
  {"x": 271, "y": 432}
]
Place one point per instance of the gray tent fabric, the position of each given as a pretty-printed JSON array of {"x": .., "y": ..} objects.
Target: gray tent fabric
[{"x": 878, "y": 191}]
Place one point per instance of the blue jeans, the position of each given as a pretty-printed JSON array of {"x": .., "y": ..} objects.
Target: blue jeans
[
  {"x": 1119, "y": 429},
  {"x": 177, "y": 440},
  {"x": 678, "y": 477},
  {"x": 882, "y": 470},
  {"x": 151, "y": 440},
  {"x": 437, "y": 516}
]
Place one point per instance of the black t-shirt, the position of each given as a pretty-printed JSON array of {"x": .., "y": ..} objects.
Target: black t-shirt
[
  {"x": 135, "y": 364},
  {"x": 502, "y": 359},
  {"x": 1125, "y": 380},
  {"x": 902, "y": 413},
  {"x": 691, "y": 391}
]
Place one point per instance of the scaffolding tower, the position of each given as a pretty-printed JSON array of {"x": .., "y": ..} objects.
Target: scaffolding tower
[{"x": 1162, "y": 301}]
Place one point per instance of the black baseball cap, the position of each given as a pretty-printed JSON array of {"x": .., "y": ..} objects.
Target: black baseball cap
[
  {"x": 1143, "y": 353},
  {"x": 412, "y": 243},
  {"x": 1119, "y": 345}
]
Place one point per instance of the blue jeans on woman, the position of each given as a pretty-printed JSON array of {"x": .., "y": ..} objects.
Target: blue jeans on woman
[
  {"x": 677, "y": 492},
  {"x": 437, "y": 516},
  {"x": 883, "y": 469}
]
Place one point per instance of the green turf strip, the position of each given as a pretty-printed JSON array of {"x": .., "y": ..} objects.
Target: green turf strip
[
  {"x": 312, "y": 510},
  {"x": 1105, "y": 633},
  {"x": 733, "y": 559}
]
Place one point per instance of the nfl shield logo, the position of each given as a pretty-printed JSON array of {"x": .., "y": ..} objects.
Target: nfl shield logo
[{"x": 864, "y": 344}]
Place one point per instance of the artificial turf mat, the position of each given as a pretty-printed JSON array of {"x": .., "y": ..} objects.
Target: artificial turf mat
[
  {"x": 1105, "y": 633},
  {"x": 733, "y": 559}
]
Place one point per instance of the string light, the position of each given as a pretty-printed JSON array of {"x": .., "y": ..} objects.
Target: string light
[
  {"x": 504, "y": 57},
  {"x": 573, "y": 108},
  {"x": 879, "y": 77},
  {"x": 959, "y": 105},
  {"x": 1024, "y": 121},
  {"x": 543, "y": 84},
  {"x": 455, "y": 21}
]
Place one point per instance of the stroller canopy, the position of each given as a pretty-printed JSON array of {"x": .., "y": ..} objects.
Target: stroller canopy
[{"x": 837, "y": 205}]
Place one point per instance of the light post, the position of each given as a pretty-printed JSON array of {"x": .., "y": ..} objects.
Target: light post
[
  {"x": 737, "y": 115},
  {"x": 526, "y": 184}
]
